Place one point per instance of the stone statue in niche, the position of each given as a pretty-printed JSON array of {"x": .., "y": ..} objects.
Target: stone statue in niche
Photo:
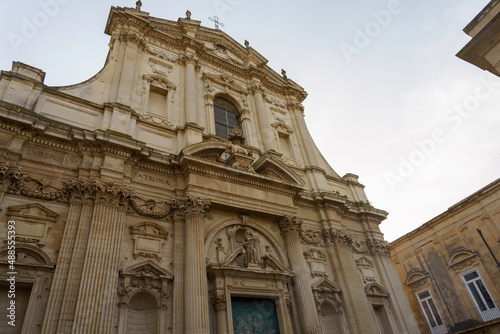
[{"x": 249, "y": 247}]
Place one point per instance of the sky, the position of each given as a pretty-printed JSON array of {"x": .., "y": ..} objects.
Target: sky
[{"x": 388, "y": 99}]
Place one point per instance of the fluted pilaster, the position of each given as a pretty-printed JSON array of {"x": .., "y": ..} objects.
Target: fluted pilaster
[
  {"x": 97, "y": 293},
  {"x": 60, "y": 282},
  {"x": 178, "y": 218},
  {"x": 290, "y": 228}
]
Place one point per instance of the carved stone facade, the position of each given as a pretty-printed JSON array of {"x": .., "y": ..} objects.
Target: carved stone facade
[
  {"x": 133, "y": 213},
  {"x": 446, "y": 259}
]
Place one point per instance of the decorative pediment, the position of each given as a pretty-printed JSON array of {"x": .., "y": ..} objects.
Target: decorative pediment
[
  {"x": 462, "y": 258},
  {"x": 28, "y": 255},
  {"x": 268, "y": 260},
  {"x": 210, "y": 150},
  {"x": 317, "y": 262},
  {"x": 327, "y": 291},
  {"x": 364, "y": 262},
  {"x": 326, "y": 285},
  {"x": 33, "y": 222},
  {"x": 273, "y": 168},
  {"x": 145, "y": 276},
  {"x": 225, "y": 82},
  {"x": 376, "y": 290},
  {"x": 149, "y": 239},
  {"x": 147, "y": 269},
  {"x": 160, "y": 81},
  {"x": 416, "y": 278},
  {"x": 366, "y": 268},
  {"x": 282, "y": 127},
  {"x": 32, "y": 210}
]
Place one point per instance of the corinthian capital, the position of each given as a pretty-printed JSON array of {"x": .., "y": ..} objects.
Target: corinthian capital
[
  {"x": 290, "y": 224},
  {"x": 191, "y": 206},
  {"x": 256, "y": 87}
]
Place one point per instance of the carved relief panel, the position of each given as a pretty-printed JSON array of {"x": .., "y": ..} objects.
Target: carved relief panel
[
  {"x": 149, "y": 239},
  {"x": 33, "y": 222}
]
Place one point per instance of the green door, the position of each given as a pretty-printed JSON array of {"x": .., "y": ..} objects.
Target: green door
[{"x": 254, "y": 316}]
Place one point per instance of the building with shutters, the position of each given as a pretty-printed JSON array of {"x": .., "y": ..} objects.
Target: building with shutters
[
  {"x": 449, "y": 266},
  {"x": 179, "y": 191}
]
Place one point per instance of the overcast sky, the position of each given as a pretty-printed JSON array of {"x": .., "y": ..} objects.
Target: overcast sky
[{"x": 388, "y": 99}]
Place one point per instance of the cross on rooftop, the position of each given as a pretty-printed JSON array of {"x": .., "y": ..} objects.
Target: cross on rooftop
[{"x": 215, "y": 19}]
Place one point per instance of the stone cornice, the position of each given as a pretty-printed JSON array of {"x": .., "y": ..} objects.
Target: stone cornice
[{"x": 199, "y": 165}]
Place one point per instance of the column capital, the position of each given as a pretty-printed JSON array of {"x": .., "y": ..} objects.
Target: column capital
[
  {"x": 219, "y": 301},
  {"x": 290, "y": 224},
  {"x": 189, "y": 58},
  {"x": 256, "y": 87},
  {"x": 190, "y": 206}
]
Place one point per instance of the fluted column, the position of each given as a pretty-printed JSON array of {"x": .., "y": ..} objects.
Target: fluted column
[
  {"x": 264, "y": 125},
  {"x": 196, "y": 314},
  {"x": 59, "y": 283},
  {"x": 220, "y": 307},
  {"x": 96, "y": 302},
  {"x": 190, "y": 89},
  {"x": 290, "y": 229},
  {"x": 179, "y": 261}
]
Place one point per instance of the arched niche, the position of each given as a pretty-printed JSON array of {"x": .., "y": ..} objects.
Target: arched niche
[
  {"x": 34, "y": 272},
  {"x": 231, "y": 234}
]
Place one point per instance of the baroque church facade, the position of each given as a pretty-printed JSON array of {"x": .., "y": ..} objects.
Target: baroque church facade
[{"x": 179, "y": 191}]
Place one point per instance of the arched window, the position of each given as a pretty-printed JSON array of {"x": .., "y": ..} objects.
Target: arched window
[{"x": 226, "y": 116}]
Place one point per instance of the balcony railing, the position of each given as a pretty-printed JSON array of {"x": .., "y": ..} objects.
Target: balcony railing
[{"x": 471, "y": 318}]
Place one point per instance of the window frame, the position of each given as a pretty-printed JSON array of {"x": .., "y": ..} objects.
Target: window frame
[
  {"x": 489, "y": 313},
  {"x": 221, "y": 112},
  {"x": 438, "y": 328}
]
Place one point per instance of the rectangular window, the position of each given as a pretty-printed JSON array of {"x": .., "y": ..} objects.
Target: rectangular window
[
  {"x": 431, "y": 313},
  {"x": 285, "y": 146},
  {"x": 482, "y": 298},
  {"x": 157, "y": 101}
]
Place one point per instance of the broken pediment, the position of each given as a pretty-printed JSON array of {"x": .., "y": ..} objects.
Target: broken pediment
[{"x": 273, "y": 168}]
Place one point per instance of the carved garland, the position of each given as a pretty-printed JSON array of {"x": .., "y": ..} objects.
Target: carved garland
[
  {"x": 368, "y": 246},
  {"x": 14, "y": 181}
]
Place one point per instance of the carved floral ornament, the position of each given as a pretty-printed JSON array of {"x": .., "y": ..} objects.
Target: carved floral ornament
[
  {"x": 290, "y": 224},
  {"x": 368, "y": 246},
  {"x": 145, "y": 277},
  {"x": 218, "y": 301},
  {"x": 148, "y": 239},
  {"x": 33, "y": 222},
  {"x": 79, "y": 191},
  {"x": 327, "y": 291}
]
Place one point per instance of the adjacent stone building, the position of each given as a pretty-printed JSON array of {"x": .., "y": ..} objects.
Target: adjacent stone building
[
  {"x": 483, "y": 50},
  {"x": 179, "y": 191},
  {"x": 450, "y": 269}
]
